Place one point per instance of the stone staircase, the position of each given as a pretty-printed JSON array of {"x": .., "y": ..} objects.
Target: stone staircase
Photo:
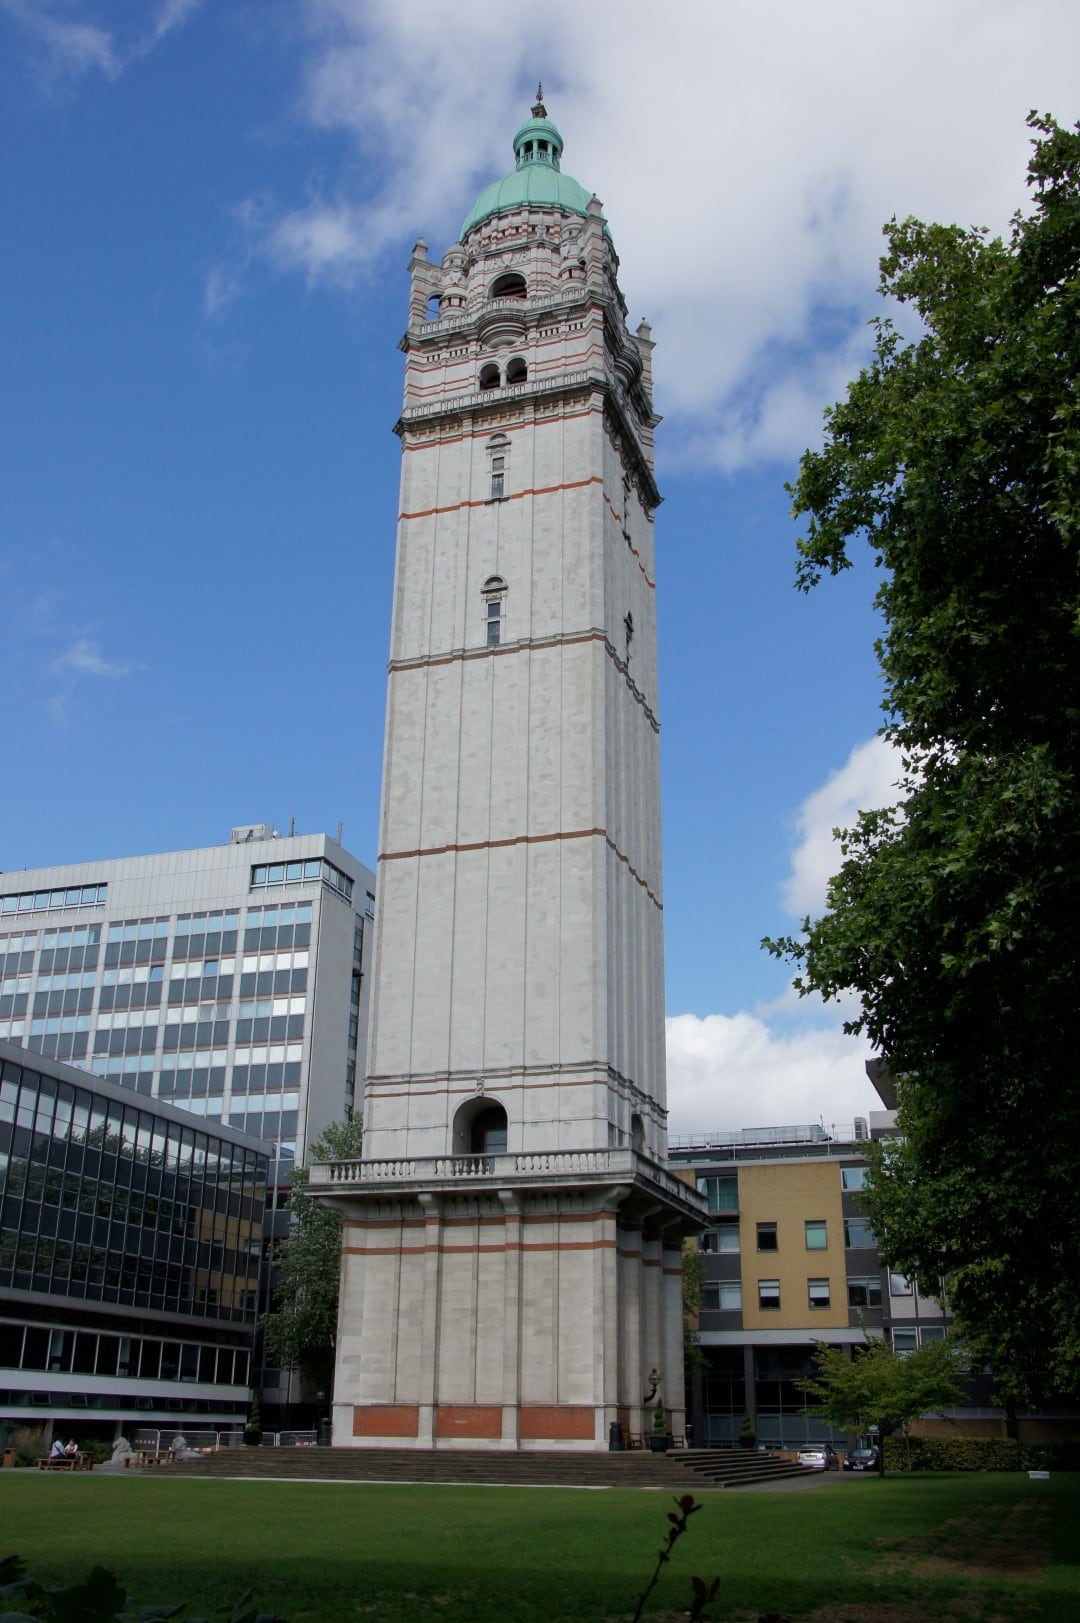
[{"x": 681, "y": 1471}]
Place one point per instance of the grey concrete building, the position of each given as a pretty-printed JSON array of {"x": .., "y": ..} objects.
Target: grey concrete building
[{"x": 230, "y": 981}]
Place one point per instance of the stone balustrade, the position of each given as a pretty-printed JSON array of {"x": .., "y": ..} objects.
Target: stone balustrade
[
  {"x": 506, "y": 391},
  {"x": 545, "y": 1166}
]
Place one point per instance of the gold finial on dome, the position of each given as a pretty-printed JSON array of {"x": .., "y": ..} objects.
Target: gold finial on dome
[{"x": 539, "y": 110}]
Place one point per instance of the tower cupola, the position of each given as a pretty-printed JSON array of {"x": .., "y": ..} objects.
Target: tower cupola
[
  {"x": 537, "y": 180},
  {"x": 538, "y": 141}
]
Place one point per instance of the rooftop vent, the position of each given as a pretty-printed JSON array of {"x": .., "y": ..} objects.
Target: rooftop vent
[{"x": 253, "y": 831}]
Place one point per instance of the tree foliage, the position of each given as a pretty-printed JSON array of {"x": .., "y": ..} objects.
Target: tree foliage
[
  {"x": 301, "y": 1328},
  {"x": 956, "y": 455},
  {"x": 878, "y": 1387}
]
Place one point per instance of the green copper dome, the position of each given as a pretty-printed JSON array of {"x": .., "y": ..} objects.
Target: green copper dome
[{"x": 537, "y": 180}]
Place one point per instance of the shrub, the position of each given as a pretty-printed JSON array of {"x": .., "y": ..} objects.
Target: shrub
[
  {"x": 98, "y": 1449},
  {"x": 29, "y": 1444},
  {"x": 99, "y": 1598},
  {"x": 979, "y": 1454}
]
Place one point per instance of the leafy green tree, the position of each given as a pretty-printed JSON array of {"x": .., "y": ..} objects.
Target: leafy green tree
[
  {"x": 301, "y": 1328},
  {"x": 878, "y": 1387},
  {"x": 953, "y": 917},
  {"x": 693, "y": 1277}
]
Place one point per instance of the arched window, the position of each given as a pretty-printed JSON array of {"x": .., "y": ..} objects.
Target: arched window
[
  {"x": 480, "y": 1128},
  {"x": 510, "y": 285},
  {"x": 637, "y": 1134},
  {"x": 489, "y": 375},
  {"x": 517, "y": 371},
  {"x": 487, "y": 1132},
  {"x": 494, "y": 593},
  {"x": 498, "y": 450},
  {"x": 434, "y": 308}
]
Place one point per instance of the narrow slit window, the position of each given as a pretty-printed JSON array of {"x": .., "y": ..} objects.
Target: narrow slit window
[
  {"x": 498, "y": 477},
  {"x": 494, "y": 596}
]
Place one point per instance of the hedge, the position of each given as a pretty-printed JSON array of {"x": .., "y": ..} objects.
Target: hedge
[{"x": 979, "y": 1454}]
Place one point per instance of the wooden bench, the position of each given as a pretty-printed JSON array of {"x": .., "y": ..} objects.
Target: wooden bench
[
  {"x": 62, "y": 1462},
  {"x": 146, "y": 1457}
]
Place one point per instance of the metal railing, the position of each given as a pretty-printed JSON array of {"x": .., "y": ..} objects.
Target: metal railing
[
  {"x": 814, "y": 1139},
  {"x": 201, "y": 1439}
]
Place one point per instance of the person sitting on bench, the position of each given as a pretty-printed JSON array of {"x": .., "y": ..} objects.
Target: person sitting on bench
[{"x": 57, "y": 1451}]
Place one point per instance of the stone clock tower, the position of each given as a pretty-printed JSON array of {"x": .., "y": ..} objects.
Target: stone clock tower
[{"x": 511, "y": 1263}]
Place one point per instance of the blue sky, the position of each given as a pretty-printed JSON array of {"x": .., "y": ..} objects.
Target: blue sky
[{"x": 210, "y": 205}]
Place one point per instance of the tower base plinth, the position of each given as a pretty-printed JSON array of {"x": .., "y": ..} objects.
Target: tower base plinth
[{"x": 489, "y": 1306}]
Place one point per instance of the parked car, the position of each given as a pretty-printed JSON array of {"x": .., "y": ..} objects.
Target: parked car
[
  {"x": 818, "y": 1456},
  {"x": 862, "y": 1459}
]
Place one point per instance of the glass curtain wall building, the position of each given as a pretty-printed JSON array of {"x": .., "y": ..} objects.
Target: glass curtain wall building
[{"x": 130, "y": 1243}]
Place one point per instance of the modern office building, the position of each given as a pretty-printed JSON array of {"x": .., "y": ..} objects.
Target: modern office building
[
  {"x": 512, "y": 1257},
  {"x": 130, "y": 1238},
  {"x": 789, "y": 1260},
  {"x": 230, "y": 981}
]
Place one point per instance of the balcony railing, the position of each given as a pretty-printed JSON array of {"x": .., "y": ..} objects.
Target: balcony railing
[
  {"x": 542, "y": 1166},
  {"x": 507, "y": 391}
]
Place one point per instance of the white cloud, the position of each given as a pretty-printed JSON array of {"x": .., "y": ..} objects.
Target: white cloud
[
  {"x": 730, "y": 1071},
  {"x": 788, "y": 1062},
  {"x": 85, "y": 658},
  {"x": 866, "y": 781},
  {"x": 746, "y": 155},
  {"x": 72, "y": 48}
]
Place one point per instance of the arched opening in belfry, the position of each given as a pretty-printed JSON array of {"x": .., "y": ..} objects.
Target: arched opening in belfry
[
  {"x": 480, "y": 1128},
  {"x": 517, "y": 370},
  {"x": 489, "y": 376},
  {"x": 511, "y": 285},
  {"x": 637, "y": 1134}
]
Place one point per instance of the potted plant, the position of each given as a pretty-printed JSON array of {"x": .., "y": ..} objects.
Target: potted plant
[
  {"x": 253, "y": 1426},
  {"x": 747, "y": 1437},
  {"x": 658, "y": 1441}
]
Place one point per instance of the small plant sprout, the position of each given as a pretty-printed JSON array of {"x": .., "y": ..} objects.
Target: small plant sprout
[{"x": 703, "y": 1592}]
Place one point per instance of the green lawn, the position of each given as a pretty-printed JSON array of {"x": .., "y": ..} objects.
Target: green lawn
[{"x": 977, "y": 1549}]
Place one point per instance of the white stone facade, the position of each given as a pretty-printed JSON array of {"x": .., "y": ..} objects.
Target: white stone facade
[{"x": 514, "y": 1297}]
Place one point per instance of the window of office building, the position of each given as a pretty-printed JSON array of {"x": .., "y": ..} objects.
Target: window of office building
[
  {"x": 51, "y": 901},
  {"x": 722, "y": 1193},
  {"x": 858, "y": 1235},
  {"x": 819, "y": 1293},
  {"x": 864, "y": 1291},
  {"x": 817, "y": 1234},
  {"x": 768, "y": 1293},
  {"x": 767, "y": 1239},
  {"x": 267, "y": 874},
  {"x": 723, "y": 1295},
  {"x": 724, "y": 1239}
]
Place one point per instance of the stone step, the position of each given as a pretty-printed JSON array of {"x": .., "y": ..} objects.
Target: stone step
[{"x": 679, "y": 1471}]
